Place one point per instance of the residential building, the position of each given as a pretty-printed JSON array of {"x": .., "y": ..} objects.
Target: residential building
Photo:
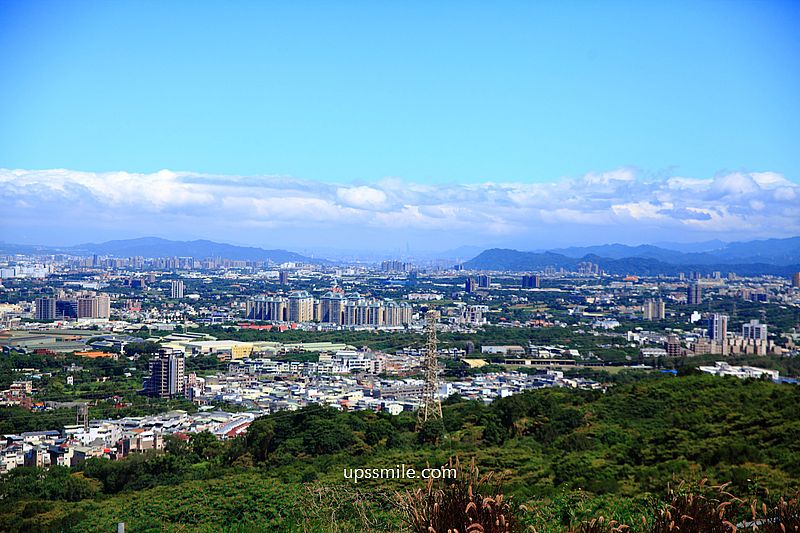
[
  {"x": 654, "y": 309},
  {"x": 469, "y": 285},
  {"x": 754, "y": 330},
  {"x": 176, "y": 288},
  {"x": 332, "y": 307},
  {"x": 718, "y": 328},
  {"x": 694, "y": 294},
  {"x": 166, "y": 378},
  {"x": 531, "y": 281},
  {"x": 301, "y": 307},
  {"x": 673, "y": 346},
  {"x": 98, "y": 306},
  {"x": 45, "y": 309}
]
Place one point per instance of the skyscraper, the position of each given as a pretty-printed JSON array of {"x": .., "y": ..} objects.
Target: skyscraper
[
  {"x": 176, "y": 288},
  {"x": 484, "y": 280},
  {"x": 796, "y": 280},
  {"x": 283, "y": 277},
  {"x": 718, "y": 327},
  {"x": 694, "y": 294},
  {"x": 166, "y": 378},
  {"x": 45, "y": 309}
]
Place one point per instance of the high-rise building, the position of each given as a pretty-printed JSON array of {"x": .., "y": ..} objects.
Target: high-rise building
[
  {"x": 484, "y": 280},
  {"x": 176, "y": 288},
  {"x": 66, "y": 309},
  {"x": 166, "y": 378},
  {"x": 283, "y": 277},
  {"x": 694, "y": 294},
  {"x": 673, "y": 345},
  {"x": 267, "y": 308},
  {"x": 469, "y": 285},
  {"x": 531, "y": 282},
  {"x": 332, "y": 308},
  {"x": 474, "y": 314},
  {"x": 394, "y": 266},
  {"x": 94, "y": 306},
  {"x": 587, "y": 268},
  {"x": 718, "y": 327},
  {"x": 45, "y": 309},
  {"x": 396, "y": 314},
  {"x": 301, "y": 307},
  {"x": 654, "y": 309},
  {"x": 754, "y": 330},
  {"x": 796, "y": 279}
]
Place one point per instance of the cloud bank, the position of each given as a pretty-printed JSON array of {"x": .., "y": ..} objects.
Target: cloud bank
[{"x": 614, "y": 206}]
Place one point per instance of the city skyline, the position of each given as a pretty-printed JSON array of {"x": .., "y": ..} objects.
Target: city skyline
[{"x": 260, "y": 260}]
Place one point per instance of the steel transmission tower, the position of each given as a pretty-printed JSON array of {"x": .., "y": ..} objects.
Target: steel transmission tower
[{"x": 430, "y": 407}]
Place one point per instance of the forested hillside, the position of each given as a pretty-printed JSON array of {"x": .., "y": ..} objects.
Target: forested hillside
[{"x": 594, "y": 452}]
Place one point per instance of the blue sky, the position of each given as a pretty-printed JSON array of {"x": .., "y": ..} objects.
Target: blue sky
[{"x": 444, "y": 95}]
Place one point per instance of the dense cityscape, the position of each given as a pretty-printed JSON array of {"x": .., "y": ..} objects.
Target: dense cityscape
[
  {"x": 407, "y": 267},
  {"x": 211, "y": 344}
]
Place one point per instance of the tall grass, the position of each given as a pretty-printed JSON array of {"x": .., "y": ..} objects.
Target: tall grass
[{"x": 470, "y": 503}]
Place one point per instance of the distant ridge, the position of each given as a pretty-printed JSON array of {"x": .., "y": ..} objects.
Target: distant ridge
[
  {"x": 149, "y": 247},
  {"x": 779, "y": 257},
  {"x": 769, "y": 251}
]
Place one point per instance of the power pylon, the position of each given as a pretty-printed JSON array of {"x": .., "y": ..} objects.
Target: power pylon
[
  {"x": 430, "y": 407},
  {"x": 83, "y": 415}
]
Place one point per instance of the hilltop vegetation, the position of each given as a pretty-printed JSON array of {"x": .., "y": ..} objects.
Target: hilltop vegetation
[{"x": 601, "y": 452}]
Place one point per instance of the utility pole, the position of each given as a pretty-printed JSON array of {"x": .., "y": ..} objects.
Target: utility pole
[{"x": 430, "y": 407}]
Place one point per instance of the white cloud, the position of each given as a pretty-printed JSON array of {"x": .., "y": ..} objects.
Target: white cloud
[
  {"x": 734, "y": 206},
  {"x": 363, "y": 197}
]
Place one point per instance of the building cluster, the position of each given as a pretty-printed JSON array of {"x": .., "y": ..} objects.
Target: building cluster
[
  {"x": 114, "y": 439},
  {"x": 474, "y": 315},
  {"x": 721, "y": 368},
  {"x": 334, "y": 307},
  {"x": 654, "y": 309},
  {"x": 531, "y": 281},
  {"x": 714, "y": 338},
  {"x": 396, "y": 266},
  {"x": 73, "y": 305},
  {"x": 718, "y": 340}
]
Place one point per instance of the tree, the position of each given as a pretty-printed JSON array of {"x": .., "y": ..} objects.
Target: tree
[
  {"x": 260, "y": 435},
  {"x": 205, "y": 445},
  {"x": 431, "y": 431}
]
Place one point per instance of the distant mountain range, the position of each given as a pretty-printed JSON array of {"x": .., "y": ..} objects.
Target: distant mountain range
[
  {"x": 780, "y": 257},
  {"x": 772, "y": 256},
  {"x": 157, "y": 247},
  {"x": 770, "y": 251}
]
